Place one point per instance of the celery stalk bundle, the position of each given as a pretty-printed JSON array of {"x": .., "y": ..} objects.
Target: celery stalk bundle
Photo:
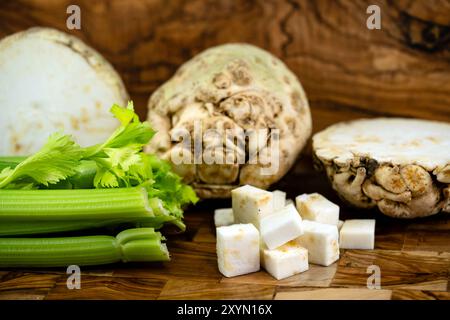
[{"x": 64, "y": 187}]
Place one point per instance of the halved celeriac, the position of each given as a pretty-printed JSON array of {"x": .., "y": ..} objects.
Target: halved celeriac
[{"x": 51, "y": 81}]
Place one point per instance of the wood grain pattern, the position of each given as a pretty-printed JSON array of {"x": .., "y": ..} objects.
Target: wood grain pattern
[
  {"x": 188, "y": 289},
  {"x": 110, "y": 288},
  {"x": 26, "y": 286},
  {"x": 417, "y": 270},
  {"x": 316, "y": 276},
  {"x": 419, "y": 295},
  {"x": 347, "y": 70}
]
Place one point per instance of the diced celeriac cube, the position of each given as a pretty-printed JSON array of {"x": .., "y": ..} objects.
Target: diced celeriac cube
[
  {"x": 340, "y": 224},
  {"x": 281, "y": 227},
  {"x": 238, "y": 249},
  {"x": 289, "y": 201},
  {"x": 251, "y": 204},
  {"x": 315, "y": 207},
  {"x": 285, "y": 261},
  {"x": 279, "y": 200},
  {"x": 358, "y": 234},
  {"x": 223, "y": 217},
  {"x": 321, "y": 240}
]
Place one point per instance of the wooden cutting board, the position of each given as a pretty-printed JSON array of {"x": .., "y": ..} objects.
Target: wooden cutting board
[{"x": 413, "y": 256}]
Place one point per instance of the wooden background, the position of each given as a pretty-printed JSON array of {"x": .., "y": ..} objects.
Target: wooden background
[{"x": 347, "y": 70}]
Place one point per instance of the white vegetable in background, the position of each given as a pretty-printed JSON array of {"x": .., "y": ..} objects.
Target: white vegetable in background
[
  {"x": 281, "y": 227},
  {"x": 238, "y": 249},
  {"x": 279, "y": 199},
  {"x": 51, "y": 81},
  {"x": 315, "y": 207},
  {"x": 321, "y": 240},
  {"x": 285, "y": 261},
  {"x": 251, "y": 204},
  {"x": 358, "y": 234},
  {"x": 223, "y": 217},
  {"x": 340, "y": 224}
]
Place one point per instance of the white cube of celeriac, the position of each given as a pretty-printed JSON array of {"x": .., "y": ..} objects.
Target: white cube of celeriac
[
  {"x": 279, "y": 200},
  {"x": 289, "y": 201},
  {"x": 315, "y": 207},
  {"x": 223, "y": 217},
  {"x": 238, "y": 249},
  {"x": 281, "y": 227},
  {"x": 285, "y": 261},
  {"x": 358, "y": 234},
  {"x": 321, "y": 240},
  {"x": 251, "y": 204},
  {"x": 340, "y": 224}
]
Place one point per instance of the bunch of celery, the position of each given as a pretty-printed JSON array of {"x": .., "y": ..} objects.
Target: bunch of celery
[{"x": 65, "y": 187}]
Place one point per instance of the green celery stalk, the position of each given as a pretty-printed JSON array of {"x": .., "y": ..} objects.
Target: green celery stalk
[
  {"x": 24, "y": 228},
  {"x": 84, "y": 176},
  {"x": 132, "y": 245},
  {"x": 73, "y": 205}
]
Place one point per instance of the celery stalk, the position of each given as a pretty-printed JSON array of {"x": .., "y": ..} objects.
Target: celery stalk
[
  {"x": 72, "y": 205},
  {"x": 84, "y": 176},
  {"x": 24, "y": 228},
  {"x": 141, "y": 244}
]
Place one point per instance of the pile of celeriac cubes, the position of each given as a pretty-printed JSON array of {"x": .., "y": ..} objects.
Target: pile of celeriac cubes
[{"x": 263, "y": 229}]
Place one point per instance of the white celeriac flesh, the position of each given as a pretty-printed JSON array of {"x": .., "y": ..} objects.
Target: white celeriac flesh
[
  {"x": 285, "y": 261},
  {"x": 223, "y": 217},
  {"x": 321, "y": 240},
  {"x": 281, "y": 227},
  {"x": 251, "y": 204},
  {"x": 279, "y": 199},
  {"x": 357, "y": 234},
  {"x": 315, "y": 207}
]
